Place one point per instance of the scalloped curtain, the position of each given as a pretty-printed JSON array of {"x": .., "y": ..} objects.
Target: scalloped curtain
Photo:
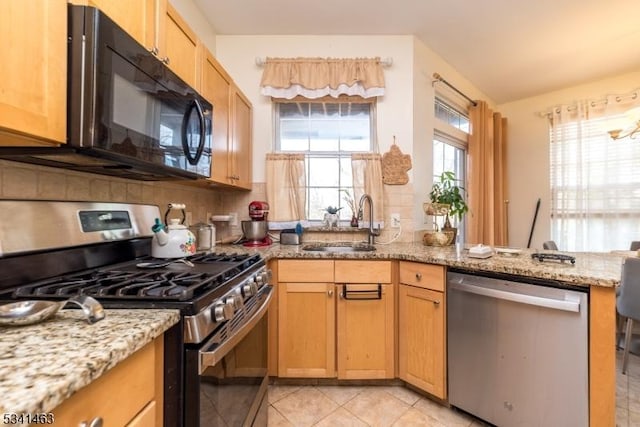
[{"x": 315, "y": 78}]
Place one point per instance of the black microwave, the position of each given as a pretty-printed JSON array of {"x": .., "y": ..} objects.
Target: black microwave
[{"x": 128, "y": 114}]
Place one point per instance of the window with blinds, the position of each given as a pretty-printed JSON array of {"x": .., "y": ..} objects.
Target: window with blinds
[
  {"x": 327, "y": 132},
  {"x": 595, "y": 187}
]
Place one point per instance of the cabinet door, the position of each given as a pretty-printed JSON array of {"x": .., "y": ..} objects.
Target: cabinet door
[
  {"x": 138, "y": 18},
  {"x": 366, "y": 335},
  {"x": 216, "y": 86},
  {"x": 33, "y": 73},
  {"x": 182, "y": 48},
  {"x": 241, "y": 149},
  {"x": 421, "y": 339},
  {"x": 107, "y": 398},
  {"x": 306, "y": 330}
]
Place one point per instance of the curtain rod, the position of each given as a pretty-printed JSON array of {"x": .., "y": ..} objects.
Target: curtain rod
[
  {"x": 385, "y": 62},
  {"x": 438, "y": 78}
]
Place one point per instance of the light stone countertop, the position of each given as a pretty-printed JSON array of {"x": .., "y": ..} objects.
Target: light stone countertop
[
  {"x": 43, "y": 364},
  {"x": 590, "y": 269}
]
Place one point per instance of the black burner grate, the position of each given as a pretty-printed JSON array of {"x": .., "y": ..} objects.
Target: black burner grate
[{"x": 210, "y": 272}]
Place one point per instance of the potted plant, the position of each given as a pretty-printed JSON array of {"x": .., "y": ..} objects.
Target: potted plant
[
  {"x": 445, "y": 191},
  {"x": 446, "y": 199}
]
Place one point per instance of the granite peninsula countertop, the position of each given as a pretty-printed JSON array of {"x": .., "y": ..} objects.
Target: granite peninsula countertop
[
  {"x": 43, "y": 364},
  {"x": 590, "y": 269}
]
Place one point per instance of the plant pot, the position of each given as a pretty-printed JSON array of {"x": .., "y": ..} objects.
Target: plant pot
[
  {"x": 331, "y": 219},
  {"x": 454, "y": 230},
  {"x": 436, "y": 209},
  {"x": 438, "y": 238}
]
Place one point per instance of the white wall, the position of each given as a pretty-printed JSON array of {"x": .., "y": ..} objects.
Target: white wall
[
  {"x": 237, "y": 55},
  {"x": 528, "y": 153}
]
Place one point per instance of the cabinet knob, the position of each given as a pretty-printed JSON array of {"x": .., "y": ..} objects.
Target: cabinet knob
[
  {"x": 418, "y": 276},
  {"x": 154, "y": 51},
  {"x": 330, "y": 293},
  {"x": 165, "y": 60},
  {"x": 96, "y": 422}
]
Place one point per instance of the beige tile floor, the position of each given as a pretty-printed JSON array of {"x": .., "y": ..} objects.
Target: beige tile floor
[
  {"x": 334, "y": 406},
  {"x": 628, "y": 392}
]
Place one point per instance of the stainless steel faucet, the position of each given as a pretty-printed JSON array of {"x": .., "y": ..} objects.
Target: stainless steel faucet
[{"x": 372, "y": 232}]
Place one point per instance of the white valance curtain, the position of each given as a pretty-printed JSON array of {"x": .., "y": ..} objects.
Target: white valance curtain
[
  {"x": 595, "y": 205},
  {"x": 286, "y": 186},
  {"x": 315, "y": 78}
]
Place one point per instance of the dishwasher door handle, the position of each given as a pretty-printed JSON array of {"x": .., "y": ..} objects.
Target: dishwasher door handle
[{"x": 569, "y": 304}]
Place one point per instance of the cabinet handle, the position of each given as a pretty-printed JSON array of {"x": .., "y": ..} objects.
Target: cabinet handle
[
  {"x": 165, "y": 60},
  {"x": 330, "y": 293},
  {"x": 154, "y": 51},
  {"x": 418, "y": 276},
  {"x": 96, "y": 422},
  {"x": 435, "y": 301}
]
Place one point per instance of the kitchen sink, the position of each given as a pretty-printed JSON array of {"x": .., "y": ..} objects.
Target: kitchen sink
[{"x": 339, "y": 247}]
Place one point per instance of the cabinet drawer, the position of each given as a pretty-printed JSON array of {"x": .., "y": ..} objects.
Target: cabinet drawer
[
  {"x": 107, "y": 398},
  {"x": 305, "y": 270},
  {"x": 426, "y": 276},
  {"x": 363, "y": 271}
]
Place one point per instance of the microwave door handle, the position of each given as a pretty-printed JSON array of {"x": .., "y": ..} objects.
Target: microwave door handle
[{"x": 185, "y": 146}]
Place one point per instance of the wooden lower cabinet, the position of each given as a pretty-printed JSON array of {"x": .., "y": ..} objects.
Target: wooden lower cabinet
[
  {"x": 320, "y": 329},
  {"x": 365, "y": 329},
  {"x": 138, "y": 404},
  {"x": 422, "y": 339},
  {"x": 306, "y": 330}
]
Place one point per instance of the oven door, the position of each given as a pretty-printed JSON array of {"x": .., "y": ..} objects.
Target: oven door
[
  {"x": 126, "y": 105},
  {"x": 226, "y": 378}
]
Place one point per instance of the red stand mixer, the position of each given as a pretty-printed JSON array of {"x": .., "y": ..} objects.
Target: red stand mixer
[{"x": 255, "y": 231}]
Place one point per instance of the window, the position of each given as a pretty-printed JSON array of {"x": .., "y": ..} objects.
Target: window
[
  {"x": 450, "y": 115},
  {"x": 450, "y": 144},
  {"x": 595, "y": 187},
  {"x": 327, "y": 132}
]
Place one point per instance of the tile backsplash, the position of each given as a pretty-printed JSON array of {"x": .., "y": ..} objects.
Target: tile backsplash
[{"x": 25, "y": 181}]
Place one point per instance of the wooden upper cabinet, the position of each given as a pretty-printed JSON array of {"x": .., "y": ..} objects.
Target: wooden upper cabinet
[
  {"x": 139, "y": 18},
  {"x": 33, "y": 72},
  {"x": 241, "y": 139},
  {"x": 216, "y": 88},
  {"x": 182, "y": 49}
]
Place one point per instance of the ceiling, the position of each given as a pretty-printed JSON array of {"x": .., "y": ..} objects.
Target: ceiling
[{"x": 509, "y": 49}]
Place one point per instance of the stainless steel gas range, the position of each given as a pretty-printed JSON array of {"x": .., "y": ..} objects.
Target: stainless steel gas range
[{"x": 215, "y": 357}]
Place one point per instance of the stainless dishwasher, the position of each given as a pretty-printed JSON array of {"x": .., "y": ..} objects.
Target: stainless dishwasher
[{"x": 518, "y": 352}]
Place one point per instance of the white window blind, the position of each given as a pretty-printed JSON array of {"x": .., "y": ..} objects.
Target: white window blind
[
  {"x": 327, "y": 133},
  {"x": 595, "y": 187}
]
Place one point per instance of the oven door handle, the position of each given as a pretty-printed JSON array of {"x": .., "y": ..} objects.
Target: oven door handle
[{"x": 211, "y": 358}]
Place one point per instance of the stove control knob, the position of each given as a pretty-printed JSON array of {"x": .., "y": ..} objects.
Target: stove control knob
[
  {"x": 249, "y": 289},
  {"x": 222, "y": 312},
  {"x": 263, "y": 278},
  {"x": 235, "y": 301}
]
